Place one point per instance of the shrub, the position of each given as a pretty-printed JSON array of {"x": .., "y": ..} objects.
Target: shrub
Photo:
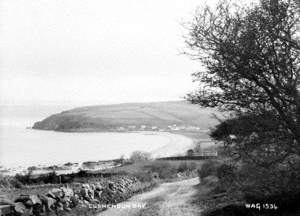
[
  {"x": 10, "y": 182},
  {"x": 139, "y": 156},
  {"x": 184, "y": 166},
  {"x": 261, "y": 182},
  {"x": 32, "y": 168},
  {"x": 226, "y": 174},
  {"x": 164, "y": 169},
  {"x": 192, "y": 166},
  {"x": 208, "y": 168},
  {"x": 210, "y": 181},
  {"x": 278, "y": 184},
  {"x": 143, "y": 176}
]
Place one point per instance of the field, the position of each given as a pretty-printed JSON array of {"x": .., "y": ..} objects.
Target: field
[
  {"x": 131, "y": 116},
  {"x": 167, "y": 170}
]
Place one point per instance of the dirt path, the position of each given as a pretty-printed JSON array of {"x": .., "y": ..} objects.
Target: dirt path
[{"x": 169, "y": 199}]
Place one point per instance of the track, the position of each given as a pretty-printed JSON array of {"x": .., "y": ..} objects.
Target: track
[{"x": 169, "y": 199}]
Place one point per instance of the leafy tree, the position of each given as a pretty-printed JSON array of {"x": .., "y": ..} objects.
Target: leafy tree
[
  {"x": 251, "y": 59},
  {"x": 255, "y": 138},
  {"x": 252, "y": 69}
]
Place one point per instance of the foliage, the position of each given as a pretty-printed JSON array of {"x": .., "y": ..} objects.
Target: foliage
[
  {"x": 143, "y": 176},
  {"x": 10, "y": 182},
  {"x": 185, "y": 166},
  {"x": 226, "y": 174},
  {"x": 282, "y": 180},
  {"x": 139, "y": 156},
  {"x": 32, "y": 168},
  {"x": 251, "y": 58},
  {"x": 209, "y": 168},
  {"x": 165, "y": 170},
  {"x": 259, "y": 139}
]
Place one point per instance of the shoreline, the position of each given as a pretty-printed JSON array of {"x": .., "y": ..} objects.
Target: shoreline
[{"x": 178, "y": 142}]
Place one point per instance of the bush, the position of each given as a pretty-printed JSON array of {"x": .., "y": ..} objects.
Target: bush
[
  {"x": 184, "y": 166},
  {"x": 260, "y": 183},
  {"x": 139, "y": 156},
  {"x": 143, "y": 176},
  {"x": 278, "y": 184},
  {"x": 10, "y": 182},
  {"x": 32, "y": 168},
  {"x": 226, "y": 174},
  {"x": 210, "y": 181},
  {"x": 208, "y": 168},
  {"x": 164, "y": 169}
]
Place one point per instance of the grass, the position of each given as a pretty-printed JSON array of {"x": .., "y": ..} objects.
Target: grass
[
  {"x": 14, "y": 192},
  {"x": 109, "y": 117},
  {"x": 152, "y": 207},
  {"x": 146, "y": 166},
  {"x": 228, "y": 187},
  {"x": 167, "y": 170},
  {"x": 142, "y": 170},
  {"x": 9, "y": 182}
]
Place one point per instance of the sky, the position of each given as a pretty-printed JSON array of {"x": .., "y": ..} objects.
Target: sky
[{"x": 85, "y": 52}]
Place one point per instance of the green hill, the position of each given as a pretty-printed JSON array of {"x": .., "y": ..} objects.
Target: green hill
[{"x": 131, "y": 116}]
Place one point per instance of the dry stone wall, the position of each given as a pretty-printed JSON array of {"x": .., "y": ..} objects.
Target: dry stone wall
[{"x": 78, "y": 196}]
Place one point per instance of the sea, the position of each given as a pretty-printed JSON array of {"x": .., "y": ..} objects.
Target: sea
[{"x": 22, "y": 146}]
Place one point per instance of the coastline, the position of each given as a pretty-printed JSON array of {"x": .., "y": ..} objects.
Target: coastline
[{"x": 177, "y": 142}]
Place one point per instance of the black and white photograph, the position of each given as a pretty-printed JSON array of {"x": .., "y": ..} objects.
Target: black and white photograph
[{"x": 149, "y": 108}]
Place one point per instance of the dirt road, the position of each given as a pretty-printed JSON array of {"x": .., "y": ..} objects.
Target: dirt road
[{"x": 169, "y": 199}]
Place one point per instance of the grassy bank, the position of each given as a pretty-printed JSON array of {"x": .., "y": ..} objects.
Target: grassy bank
[{"x": 228, "y": 189}]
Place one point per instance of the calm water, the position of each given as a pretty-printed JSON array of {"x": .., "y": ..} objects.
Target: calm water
[{"x": 24, "y": 147}]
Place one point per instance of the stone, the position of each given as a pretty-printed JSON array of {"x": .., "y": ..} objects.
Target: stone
[
  {"x": 74, "y": 200},
  {"x": 44, "y": 201},
  {"x": 26, "y": 200},
  {"x": 48, "y": 202},
  {"x": 67, "y": 192},
  {"x": 83, "y": 192},
  {"x": 23, "y": 198},
  {"x": 58, "y": 193},
  {"x": 98, "y": 194},
  {"x": 111, "y": 186},
  {"x": 35, "y": 200},
  {"x": 51, "y": 195},
  {"x": 59, "y": 206},
  {"x": 29, "y": 203},
  {"x": 68, "y": 209},
  {"x": 20, "y": 208},
  {"x": 99, "y": 187}
]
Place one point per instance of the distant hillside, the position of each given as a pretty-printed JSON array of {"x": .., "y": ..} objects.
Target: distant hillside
[{"x": 130, "y": 116}]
